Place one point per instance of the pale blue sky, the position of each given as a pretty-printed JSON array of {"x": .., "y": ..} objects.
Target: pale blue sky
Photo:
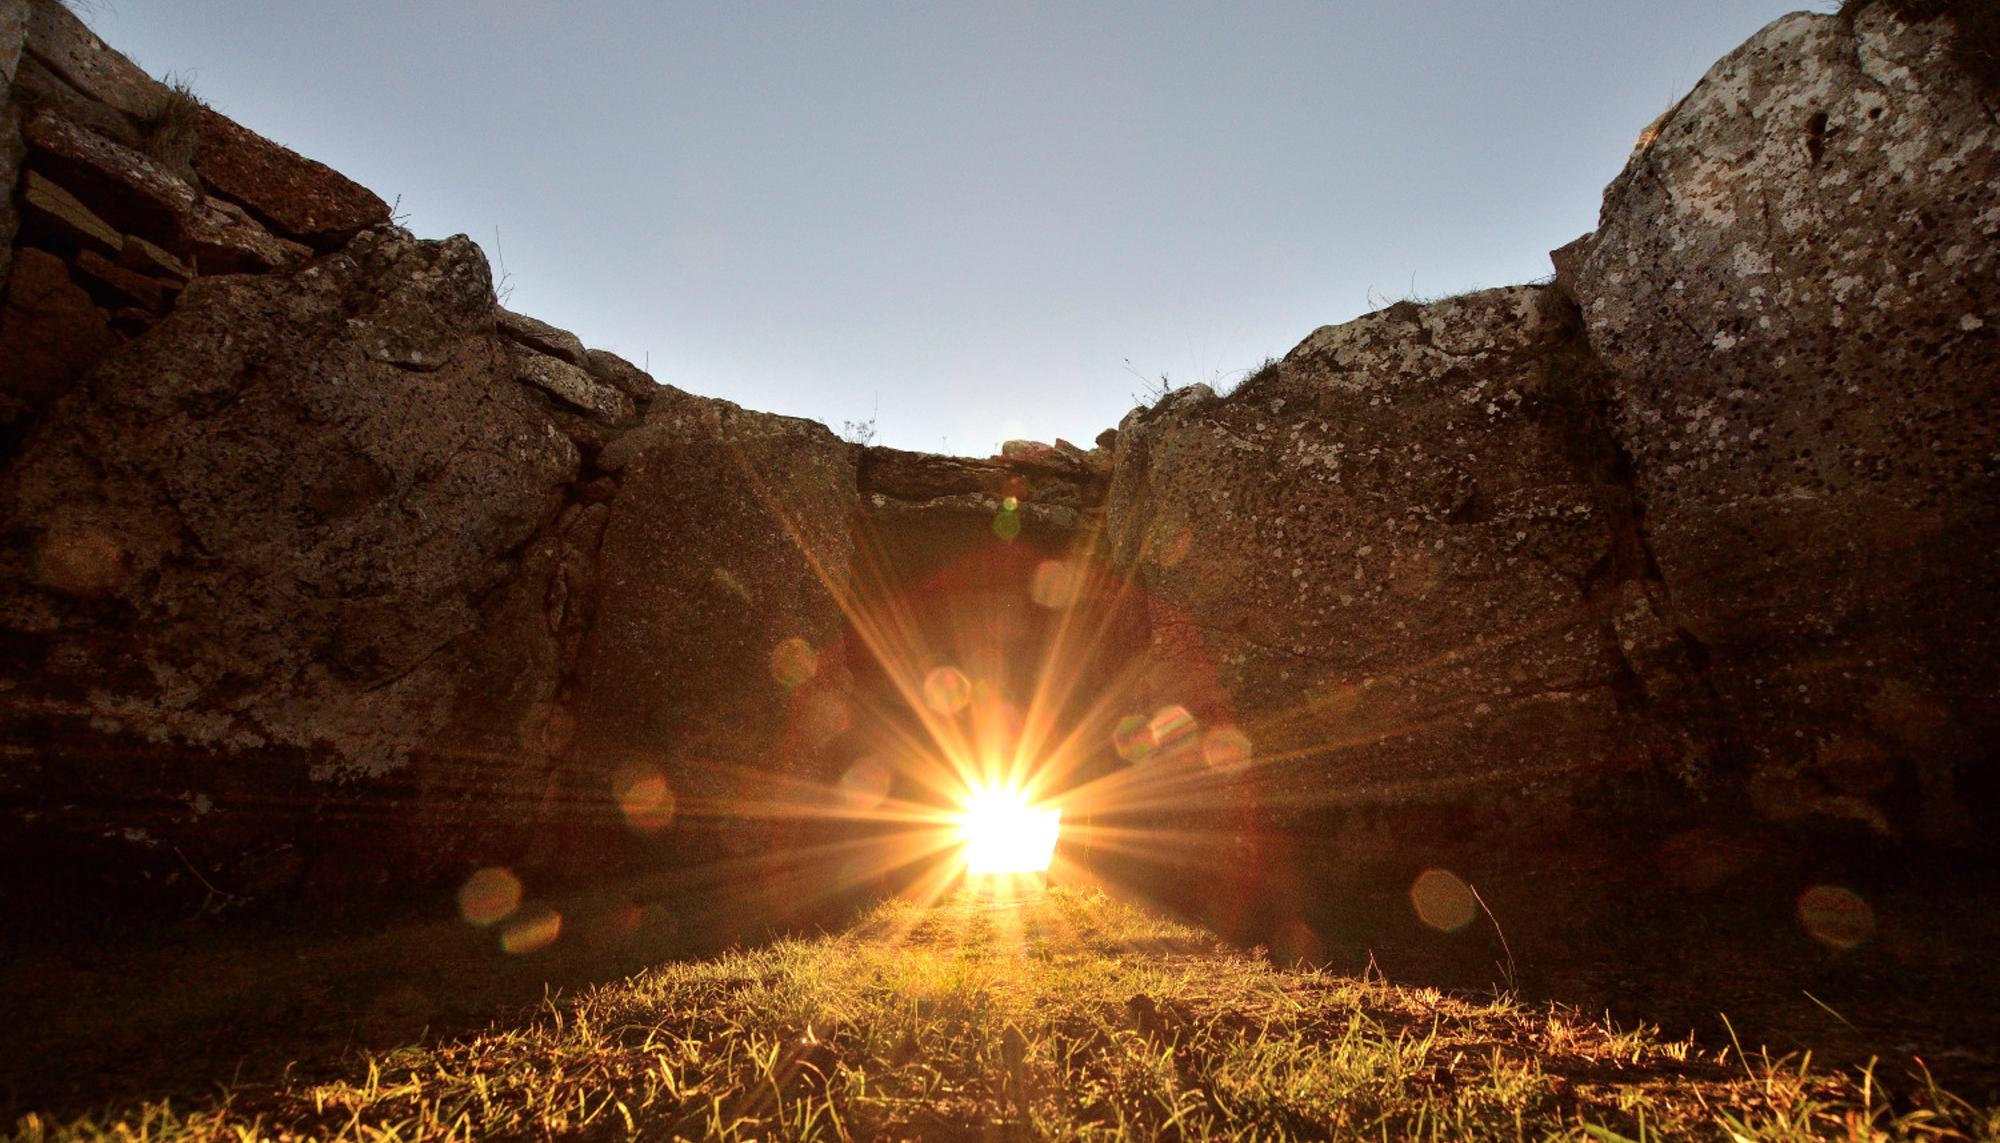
[{"x": 967, "y": 216}]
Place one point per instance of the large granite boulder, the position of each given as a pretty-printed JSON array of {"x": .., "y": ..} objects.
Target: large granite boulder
[
  {"x": 1401, "y": 566},
  {"x": 713, "y": 656},
  {"x": 246, "y": 556},
  {"x": 1796, "y": 285}
]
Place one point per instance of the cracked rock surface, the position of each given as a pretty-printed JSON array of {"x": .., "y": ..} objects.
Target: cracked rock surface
[
  {"x": 1405, "y": 560},
  {"x": 1715, "y": 507},
  {"x": 1796, "y": 287}
]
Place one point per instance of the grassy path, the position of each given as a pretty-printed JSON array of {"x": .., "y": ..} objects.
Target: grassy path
[{"x": 1067, "y": 1016}]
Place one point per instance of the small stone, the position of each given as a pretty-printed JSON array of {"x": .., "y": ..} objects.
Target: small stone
[
  {"x": 572, "y": 386},
  {"x": 149, "y": 294},
  {"x": 540, "y": 336},
  {"x": 58, "y": 215},
  {"x": 622, "y": 375},
  {"x": 141, "y": 255}
]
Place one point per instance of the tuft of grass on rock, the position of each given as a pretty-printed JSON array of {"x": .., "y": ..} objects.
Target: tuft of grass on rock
[
  {"x": 1067, "y": 1016},
  {"x": 170, "y": 132}
]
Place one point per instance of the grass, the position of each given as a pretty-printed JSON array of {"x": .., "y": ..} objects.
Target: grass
[
  {"x": 1070, "y": 1016},
  {"x": 169, "y": 133}
]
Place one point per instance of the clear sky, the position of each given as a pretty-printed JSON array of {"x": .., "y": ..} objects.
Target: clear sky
[{"x": 960, "y": 219}]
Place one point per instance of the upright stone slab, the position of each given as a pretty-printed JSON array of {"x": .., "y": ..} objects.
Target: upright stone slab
[{"x": 1797, "y": 286}]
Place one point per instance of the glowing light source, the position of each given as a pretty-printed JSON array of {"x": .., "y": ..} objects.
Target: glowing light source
[{"x": 1004, "y": 834}]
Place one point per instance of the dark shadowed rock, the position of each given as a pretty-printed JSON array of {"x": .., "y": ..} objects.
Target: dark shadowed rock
[
  {"x": 256, "y": 551},
  {"x": 298, "y": 197},
  {"x": 51, "y": 334},
  {"x": 13, "y": 34},
  {"x": 1797, "y": 285},
  {"x": 56, "y": 220},
  {"x": 123, "y": 285}
]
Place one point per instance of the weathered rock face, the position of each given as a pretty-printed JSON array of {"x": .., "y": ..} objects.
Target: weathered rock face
[
  {"x": 265, "y": 505},
  {"x": 1404, "y": 564},
  {"x": 299, "y": 198},
  {"x": 13, "y": 37},
  {"x": 235, "y": 542},
  {"x": 713, "y": 651},
  {"x": 1041, "y": 489},
  {"x": 1796, "y": 286},
  {"x": 1711, "y": 514},
  {"x": 308, "y": 550},
  {"x": 318, "y": 567}
]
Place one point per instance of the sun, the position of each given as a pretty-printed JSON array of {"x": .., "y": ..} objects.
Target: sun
[{"x": 1003, "y": 833}]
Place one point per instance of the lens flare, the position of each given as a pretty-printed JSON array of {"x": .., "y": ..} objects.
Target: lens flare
[
  {"x": 1836, "y": 917},
  {"x": 1056, "y": 584},
  {"x": 947, "y": 691},
  {"x": 1441, "y": 900},
  {"x": 1172, "y": 727},
  {"x": 489, "y": 896},
  {"x": 1226, "y": 748},
  {"x": 865, "y": 786},
  {"x": 1297, "y": 945},
  {"x": 644, "y": 798},
  {"x": 1133, "y": 736},
  {"x": 1004, "y": 834},
  {"x": 793, "y": 663},
  {"x": 532, "y": 932}
]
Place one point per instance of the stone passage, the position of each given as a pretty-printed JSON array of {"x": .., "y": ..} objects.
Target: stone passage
[{"x": 320, "y": 571}]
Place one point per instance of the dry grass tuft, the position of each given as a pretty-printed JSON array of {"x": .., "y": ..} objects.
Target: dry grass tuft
[{"x": 170, "y": 132}]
